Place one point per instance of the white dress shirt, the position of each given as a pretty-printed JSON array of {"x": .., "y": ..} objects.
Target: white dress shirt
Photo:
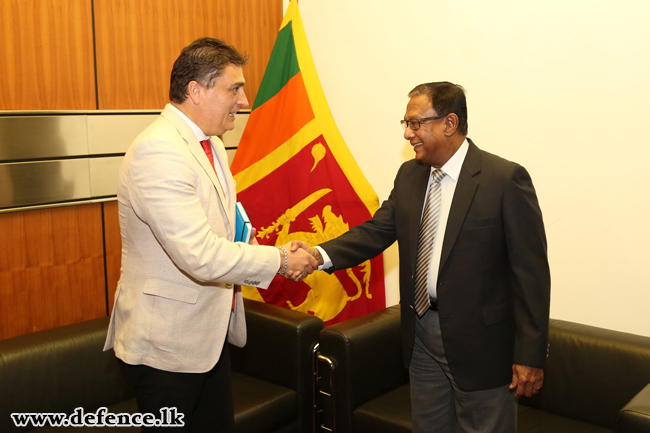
[{"x": 447, "y": 188}]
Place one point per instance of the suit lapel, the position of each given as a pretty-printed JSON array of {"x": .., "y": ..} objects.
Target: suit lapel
[
  {"x": 421, "y": 180},
  {"x": 463, "y": 196},
  {"x": 222, "y": 158},
  {"x": 197, "y": 151}
]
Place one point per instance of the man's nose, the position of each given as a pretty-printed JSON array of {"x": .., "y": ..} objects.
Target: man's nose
[{"x": 243, "y": 100}]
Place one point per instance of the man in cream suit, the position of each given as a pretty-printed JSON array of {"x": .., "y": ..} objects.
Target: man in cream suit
[
  {"x": 176, "y": 305},
  {"x": 474, "y": 275}
]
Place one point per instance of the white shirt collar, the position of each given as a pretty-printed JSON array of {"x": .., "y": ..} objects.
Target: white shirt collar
[
  {"x": 200, "y": 135},
  {"x": 455, "y": 163}
]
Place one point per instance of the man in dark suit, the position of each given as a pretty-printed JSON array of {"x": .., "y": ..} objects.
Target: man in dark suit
[{"x": 474, "y": 275}]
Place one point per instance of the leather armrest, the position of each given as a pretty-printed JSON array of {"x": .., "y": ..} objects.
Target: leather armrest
[
  {"x": 279, "y": 345},
  {"x": 367, "y": 356},
  {"x": 280, "y": 349},
  {"x": 635, "y": 416}
]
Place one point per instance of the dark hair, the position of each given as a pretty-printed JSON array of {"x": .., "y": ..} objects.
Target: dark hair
[
  {"x": 446, "y": 98},
  {"x": 203, "y": 61}
]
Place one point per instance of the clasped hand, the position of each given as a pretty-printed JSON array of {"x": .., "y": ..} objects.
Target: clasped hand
[{"x": 303, "y": 260}]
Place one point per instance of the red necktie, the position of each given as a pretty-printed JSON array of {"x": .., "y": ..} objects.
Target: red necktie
[{"x": 207, "y": 148}]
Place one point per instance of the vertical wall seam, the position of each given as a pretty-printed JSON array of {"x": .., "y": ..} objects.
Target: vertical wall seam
[
  {"x": 92, "y": 13},
  {"x": 105, "y": 260}
]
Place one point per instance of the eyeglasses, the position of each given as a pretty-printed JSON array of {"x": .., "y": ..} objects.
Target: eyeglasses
[{"x": 415, "y": 123}]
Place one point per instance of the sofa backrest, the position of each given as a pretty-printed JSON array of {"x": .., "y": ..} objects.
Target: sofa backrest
[
  {"x": 58, "y": 370},
  {"x": 591, "y": 373}
]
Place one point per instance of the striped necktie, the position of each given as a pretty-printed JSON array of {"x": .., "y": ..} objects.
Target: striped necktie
[{"x": 425, "y": 243}]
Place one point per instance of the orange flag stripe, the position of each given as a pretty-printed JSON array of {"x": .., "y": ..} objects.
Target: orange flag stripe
[{"x": 272, "y": 126}]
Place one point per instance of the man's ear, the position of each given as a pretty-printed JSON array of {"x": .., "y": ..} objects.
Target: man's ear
[
  {"x": 451, "y": 124},
  {"x": 194, "y": 91}
]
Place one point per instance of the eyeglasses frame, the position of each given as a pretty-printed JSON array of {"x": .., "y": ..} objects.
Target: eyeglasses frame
[{"x": 419, "y": 121}]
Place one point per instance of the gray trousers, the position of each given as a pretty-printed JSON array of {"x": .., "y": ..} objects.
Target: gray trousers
[{"x": 438, "y": 405}]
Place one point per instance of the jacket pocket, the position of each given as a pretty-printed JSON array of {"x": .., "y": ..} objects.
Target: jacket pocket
[
  {"x": 170, "y": 290},
  {"x": 498, "y": 313},
  {"x": 476, "y": 224}
]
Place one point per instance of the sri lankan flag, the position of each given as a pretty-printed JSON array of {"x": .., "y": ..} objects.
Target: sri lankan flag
[{"x": 298, "y": 180}]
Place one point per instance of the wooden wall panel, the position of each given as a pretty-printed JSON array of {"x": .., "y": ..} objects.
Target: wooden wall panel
[
  {"x": 137, "y": 42},
  {"x": 51, "y": 268},
  {"x": 113, "y": 249},
  {"x": 51, "y": 261},
  {"x": 46, "y": 55}
]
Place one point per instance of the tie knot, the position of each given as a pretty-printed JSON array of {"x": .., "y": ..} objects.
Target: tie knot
[
  {"x": 438, "y": 175},
  {"x": 206, "y": 145}
]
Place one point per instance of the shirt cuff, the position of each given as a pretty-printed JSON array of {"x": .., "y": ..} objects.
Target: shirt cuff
[{"x": 327, "y": 263}]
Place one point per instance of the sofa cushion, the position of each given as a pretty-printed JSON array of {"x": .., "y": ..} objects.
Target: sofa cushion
[
  {"x": 635, "y": 416},
  {"x": 391, "y": 413},
  {"x": 388, "y": 413},
  {"x": 531, "y": 420},
  {"x": 262, "y": 406}
]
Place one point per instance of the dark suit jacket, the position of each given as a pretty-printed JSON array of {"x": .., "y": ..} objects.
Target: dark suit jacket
[{"x": 493, "y": 283}]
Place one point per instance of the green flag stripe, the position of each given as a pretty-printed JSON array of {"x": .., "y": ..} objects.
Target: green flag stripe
[{"x": 283, "y": 65}]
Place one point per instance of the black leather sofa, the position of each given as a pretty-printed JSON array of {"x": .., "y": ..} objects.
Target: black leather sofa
[
  {"x": 58, "y": 370},
  {"x": 596, "y": 380}
]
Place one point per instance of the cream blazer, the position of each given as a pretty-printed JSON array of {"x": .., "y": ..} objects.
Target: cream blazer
[{"x": 173, "y": 303}]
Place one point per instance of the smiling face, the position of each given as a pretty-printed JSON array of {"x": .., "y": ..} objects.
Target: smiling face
[
  {"x": 219, "y": 103},
  {"x": 430, "y": 141}
]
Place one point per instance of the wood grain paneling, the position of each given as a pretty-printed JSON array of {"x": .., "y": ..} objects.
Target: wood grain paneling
[
  {"x": 113, "y": 249},
  {"x": 46, "y": 55},
  {"x": 52, "y": 260},
  {"x": 51, "y": 268},
  {"x": 138, "y": 41}
]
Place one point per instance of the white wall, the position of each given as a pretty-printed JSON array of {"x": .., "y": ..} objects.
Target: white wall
[{"x": 561, "y": 86}]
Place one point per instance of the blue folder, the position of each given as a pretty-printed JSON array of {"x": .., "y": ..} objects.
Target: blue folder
[{"x": 243, "y": 226}]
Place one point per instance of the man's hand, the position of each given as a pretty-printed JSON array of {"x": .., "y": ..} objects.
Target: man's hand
[
  {"x": 311, "y": 250},
  {"x": 527, "y": 380},
  {"x": 253, "y": 239},
  {"x": 301, "y": 261}
]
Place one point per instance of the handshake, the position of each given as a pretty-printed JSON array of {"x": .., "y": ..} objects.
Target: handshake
[{"x": 299, "y": 261}]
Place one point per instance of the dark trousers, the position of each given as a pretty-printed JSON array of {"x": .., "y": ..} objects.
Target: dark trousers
[
  {"x": 205, "y": 399},
  {"x": 437, "y": 402}
]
